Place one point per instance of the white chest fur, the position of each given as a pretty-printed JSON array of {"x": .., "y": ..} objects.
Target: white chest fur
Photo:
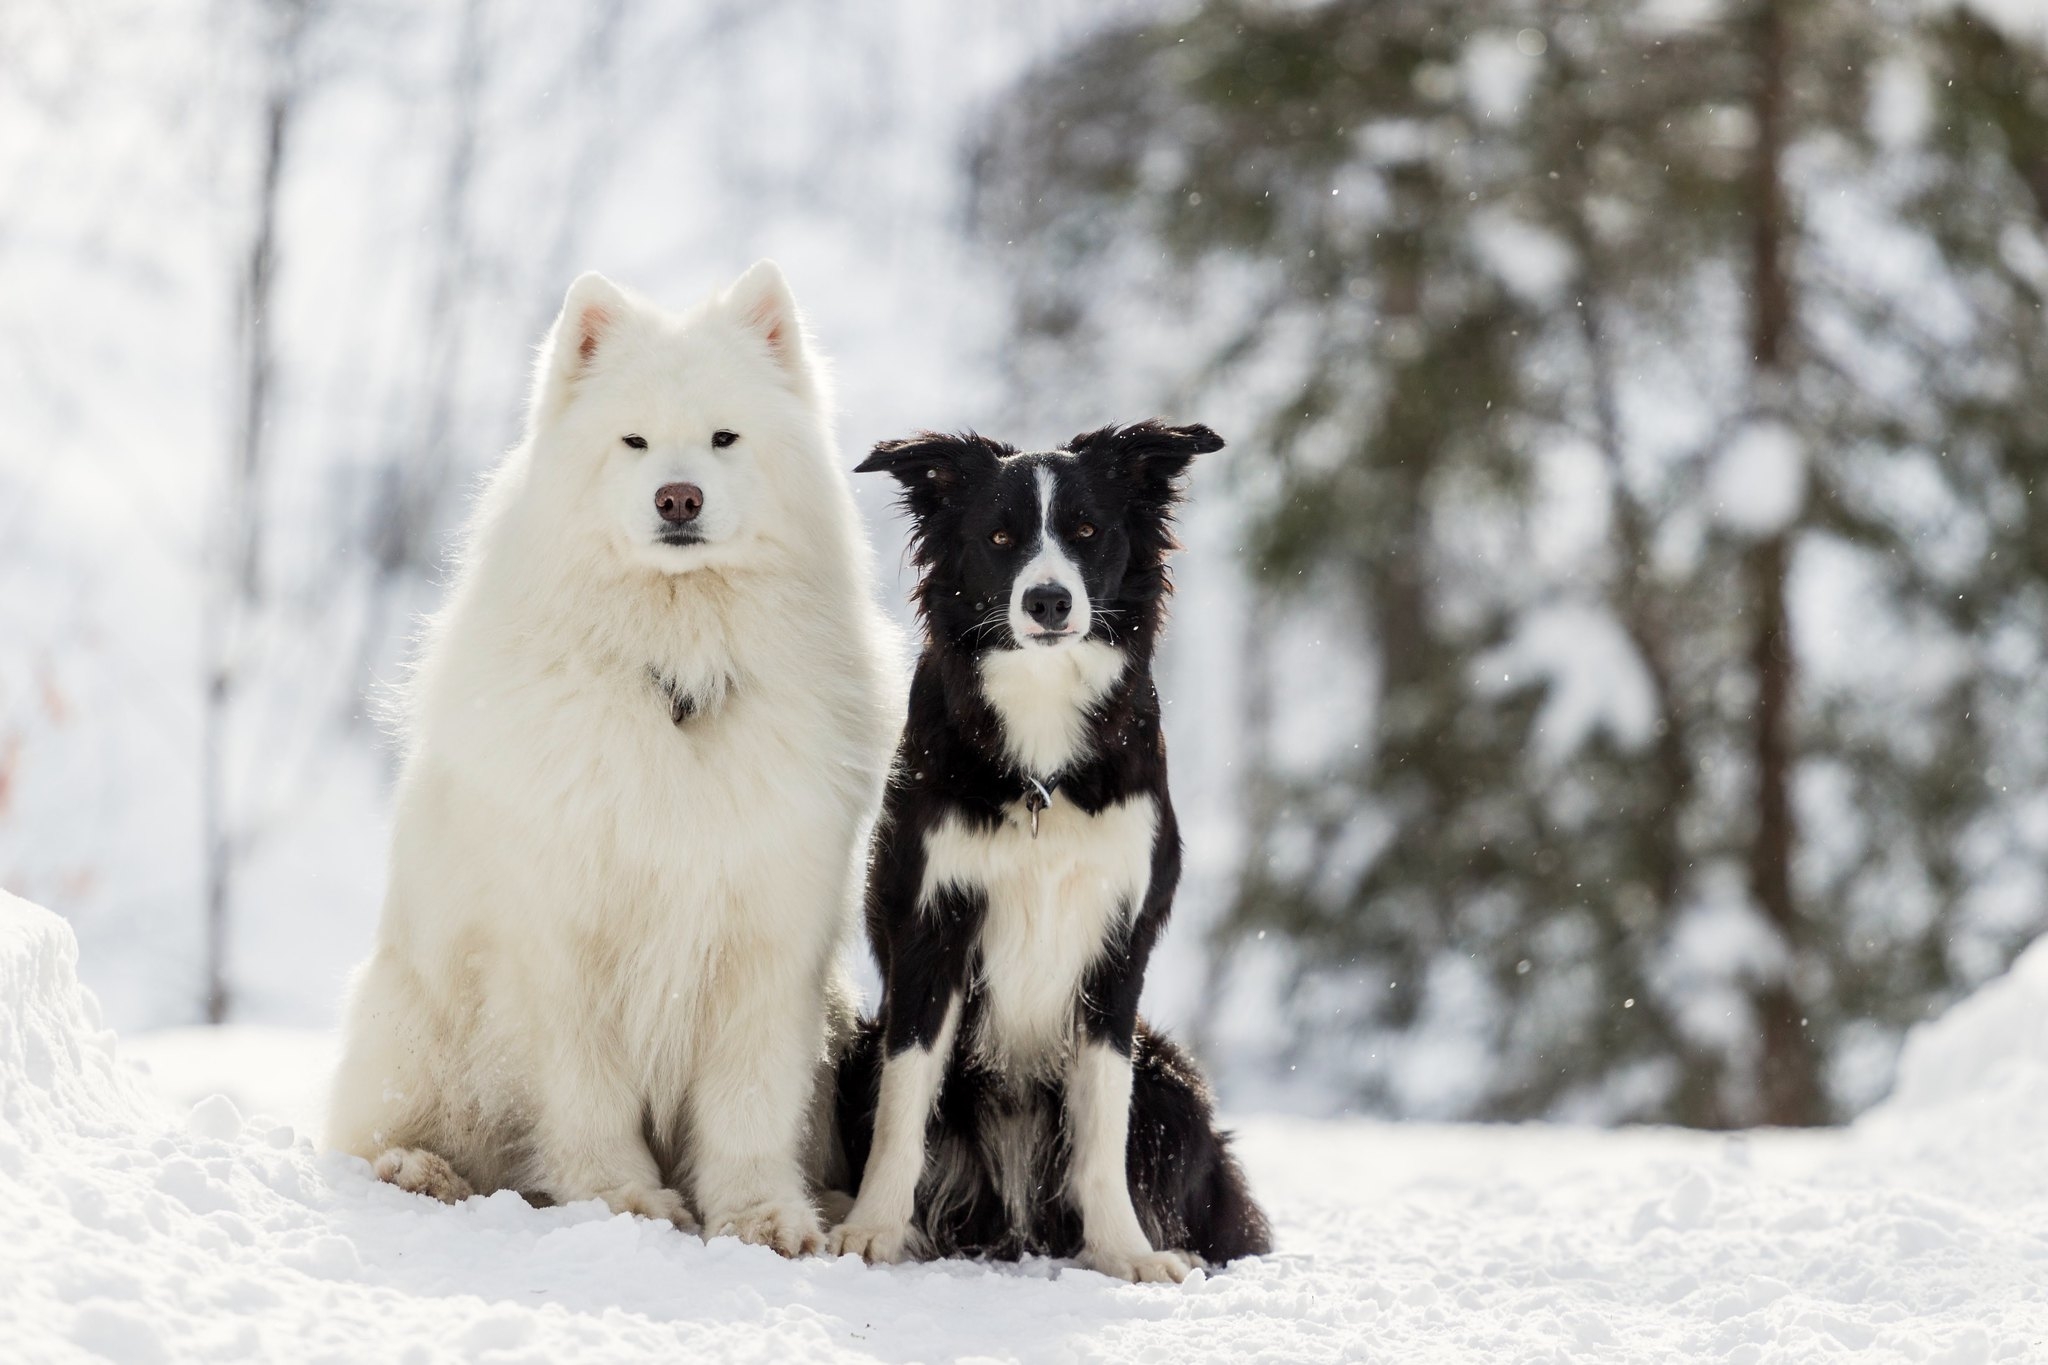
[
  {"x": 1043, "y": 695},
  {"x": 1055, "y": 902}
]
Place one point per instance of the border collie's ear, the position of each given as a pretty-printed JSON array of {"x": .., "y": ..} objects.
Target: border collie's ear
[
  {"x": 591, "y": 314},
  {"x": 931, "y": 465},
  {"x": 1147, "y": 456}
]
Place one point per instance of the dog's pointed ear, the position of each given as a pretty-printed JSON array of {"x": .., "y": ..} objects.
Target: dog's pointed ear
[
  {"x": 1148, "y": 456},
  {"x": 592, "y": 313},
  {"x": 930, "y": 465},
  {"x": 760, "y": 301}
]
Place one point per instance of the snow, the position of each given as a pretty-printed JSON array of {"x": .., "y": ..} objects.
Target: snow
[
  {"x": 135, "y": 1235},
  {"x": 2022, "y": 20},
  {"x": 1758, "y": 483},
  {"x": 1498, "y": 71},
  {"x": 1720, "y": 942},
  {"x": 1976, "y": 1085},
  {"x": 1901, "y": 103},
  {"x": 1594, "y": 677},
  {"x": 1533, "y": 262}
]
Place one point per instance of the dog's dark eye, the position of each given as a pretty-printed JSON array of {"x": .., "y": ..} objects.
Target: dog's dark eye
[
  {"x": 1001, "y": 538},
  {"x": 722, "y": 439},
  {"x": 1085, "y": 530},
  {"x": 635, "y": 442}
]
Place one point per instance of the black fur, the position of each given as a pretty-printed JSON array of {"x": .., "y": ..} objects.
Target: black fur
[
  {"x": 1188, "y": 1189},
  {"x": 1122, "y": 483}
]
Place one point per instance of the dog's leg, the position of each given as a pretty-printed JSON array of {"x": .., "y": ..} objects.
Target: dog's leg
[
  {"x": 386, "y": 1089},
  {"x": 1099, "y": 1085},
  {"x": 878, "y": 1227},
  {"x": 751, "y": 1095},
  {"x": 1099, "y": 1127},
  {"x": 400, "y": 1078},
  {"x": 921, "y": 1004},
  {"x": 589, "y": 1136}
]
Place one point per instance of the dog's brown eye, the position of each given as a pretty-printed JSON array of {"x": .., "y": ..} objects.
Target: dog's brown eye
[
  {"x": 635, "y": 442},
  {"x": 1001, "y": 538},
  {"x": 722, "y": 439},
  {"x": 1085, "y": 529}
]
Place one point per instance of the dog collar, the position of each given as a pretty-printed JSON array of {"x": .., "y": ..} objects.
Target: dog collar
[{"x": 1037, "y": 796}]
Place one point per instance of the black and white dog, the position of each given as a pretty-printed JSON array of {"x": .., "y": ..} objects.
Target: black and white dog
[{"x": 1024, "y": 866}]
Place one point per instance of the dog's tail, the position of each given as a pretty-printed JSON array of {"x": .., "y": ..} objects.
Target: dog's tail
[
  {"x": 1232, "y": 1224},
  {"x": 1190, "y": 1189}
]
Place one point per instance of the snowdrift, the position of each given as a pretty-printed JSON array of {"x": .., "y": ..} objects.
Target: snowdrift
[
  {"x": 1970, "y": 1106},
  {"x": 133, "y": 1233},
  {"x": 1989, "y": 1054}
]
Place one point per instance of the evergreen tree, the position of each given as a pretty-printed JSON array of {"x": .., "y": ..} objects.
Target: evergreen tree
[{"x": 1776, "y": 276}]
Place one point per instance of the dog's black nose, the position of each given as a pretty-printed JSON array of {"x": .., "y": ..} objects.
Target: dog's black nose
[
  {"x": 1047, "y": 605},
  {"x": 679, "y": 503}
]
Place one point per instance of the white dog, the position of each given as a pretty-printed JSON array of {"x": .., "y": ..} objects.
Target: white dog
[{"x": 645, "y": 740}]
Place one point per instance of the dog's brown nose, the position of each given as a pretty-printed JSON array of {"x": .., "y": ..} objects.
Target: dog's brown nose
[{"x": 679, "y": 503}]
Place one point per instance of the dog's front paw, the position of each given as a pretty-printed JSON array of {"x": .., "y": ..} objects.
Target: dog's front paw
[
  {"x": 650, "y": 1201},
  {"x": 420, "y": 1171},
  {"x": 875, "y": 1243},
  {"x": 1141, "y": 1267},
  {"x": 791, "y": 1228}
]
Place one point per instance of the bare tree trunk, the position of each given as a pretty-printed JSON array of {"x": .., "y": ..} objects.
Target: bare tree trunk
[
  {"x": 1790, "y": 1067},
  {"x": 236, "y": 591}
]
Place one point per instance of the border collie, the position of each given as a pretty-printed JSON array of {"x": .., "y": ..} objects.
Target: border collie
[{"x": 1024, "y": 867}]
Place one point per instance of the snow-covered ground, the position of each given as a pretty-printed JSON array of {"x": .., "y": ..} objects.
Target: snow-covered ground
[{"x": 138, "y": 1225}]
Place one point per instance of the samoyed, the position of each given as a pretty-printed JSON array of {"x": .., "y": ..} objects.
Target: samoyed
[{"x": 643, "y": 744}]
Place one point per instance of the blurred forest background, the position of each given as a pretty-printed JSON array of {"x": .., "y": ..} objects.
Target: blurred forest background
[{"x": 1607, "y": 676}]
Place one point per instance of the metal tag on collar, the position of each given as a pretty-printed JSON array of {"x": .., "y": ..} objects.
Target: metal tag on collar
[{"x": 1036, "y": 799}]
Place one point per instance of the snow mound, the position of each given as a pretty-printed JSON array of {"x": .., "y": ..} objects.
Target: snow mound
[
  {"x": 1989, "y": 1052},
  {"x": 1971, "y": 1099},
  {"x": 130, "y": 1231},
  {"x": 58, "y": 1072}
]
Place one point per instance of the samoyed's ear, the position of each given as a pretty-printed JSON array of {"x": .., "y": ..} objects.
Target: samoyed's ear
[
  {"x": 932, "y": 466},
  {"x": 591, "y": 316},
  {"x": 761, "y": 302}
]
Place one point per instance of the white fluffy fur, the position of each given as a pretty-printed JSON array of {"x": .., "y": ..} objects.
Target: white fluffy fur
[
  {"x": 602, "y": 927},
  {"x": 1043, "y": 694}
]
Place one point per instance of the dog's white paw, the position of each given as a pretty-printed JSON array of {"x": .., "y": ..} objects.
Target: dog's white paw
[
  {"x": 875, "y": 1243},
  {"x": 650, "y": 1201},
  {"x": 419, "y": 1171},
  {"x": 1142, "y": 1267},
  {"x": 791, "y": 1228}
]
